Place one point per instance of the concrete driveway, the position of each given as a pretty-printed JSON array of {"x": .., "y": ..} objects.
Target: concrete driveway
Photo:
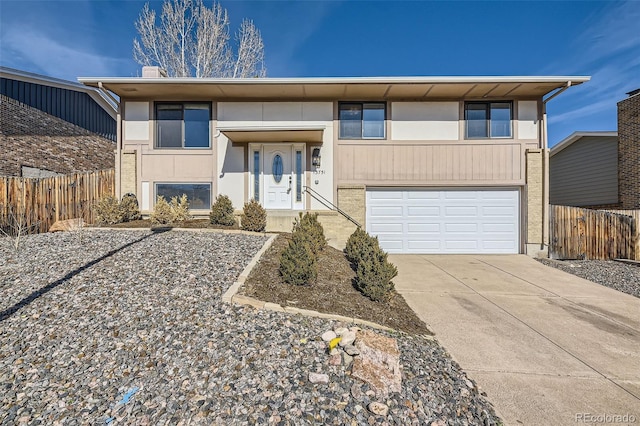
[{"x": 548, "y": 348}]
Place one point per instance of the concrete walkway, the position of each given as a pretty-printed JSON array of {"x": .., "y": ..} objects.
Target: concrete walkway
[{"x": 548, "y": 348}]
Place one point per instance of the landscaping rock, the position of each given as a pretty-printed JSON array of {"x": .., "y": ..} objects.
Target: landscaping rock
[
  {"x": 347, "y": 338},
  {"x": 378, "y": 408},
  {"x": 340, "y": 330},
  {"x": 335, "y": 359},
  {"x": 378, "y": 363},
  {"x": 85, "y": 321},
  {"x": 328, "y": 336},
  {"x": 351, "y": 350},
  {"x": 318, "y": 378}
]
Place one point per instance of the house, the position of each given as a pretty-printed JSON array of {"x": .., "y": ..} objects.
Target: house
[
  {"x": 629, "y": 150},
  {"x": 50, "y": 126},
  {"x": 600, "y": 169},
  {"x": 583, "y": 170},
  {"x": 428, "y": 164}
]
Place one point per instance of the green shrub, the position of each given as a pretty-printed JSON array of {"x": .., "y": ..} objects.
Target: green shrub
[
  {"x": 162, "y": 212},
  {"x": 254, "y": 217},
  {"x": 298, "y": 264},
  {"x": 180, "y": 208},
  {"x": 374, "y": 273},
  {"x": 108, "y": 211},
  {"x": 129, "y": 208},
  {"x": 358, "y": 244},
  {"x": 222, "y": 212},
  {"x": 312, "y": 230}
]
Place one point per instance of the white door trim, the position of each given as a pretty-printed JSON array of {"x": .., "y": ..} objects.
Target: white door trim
[{"x": 289, "y": 148}]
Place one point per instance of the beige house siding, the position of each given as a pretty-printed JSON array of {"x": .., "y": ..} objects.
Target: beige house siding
[
  {"x": 155, "y": 165},
  {"x": 425, "y": 146},
  {"x": 585, "y": 173},
  {"x": 430, "y": 163}
]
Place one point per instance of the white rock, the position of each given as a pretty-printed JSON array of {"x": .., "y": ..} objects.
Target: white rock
[
  {"x": 464, "y": 392},
  {"x": 378, "y": 408},
  {"x": 328, "y": 336},
  {"x": 341, "y": 330},
  {"x": 351, "y": 350},
  {"x": 318, "y": 378},
  {"x": 348, "y": 338}
]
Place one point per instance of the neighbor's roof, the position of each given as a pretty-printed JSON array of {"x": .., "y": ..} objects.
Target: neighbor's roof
[
  {"x": 331, "y": 88},
  {"x": 100, "y": 98},
  {"x": 576, "y": 136}
]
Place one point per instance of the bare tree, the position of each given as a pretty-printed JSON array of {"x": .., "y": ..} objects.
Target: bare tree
[{"x": 193, "y": 40}]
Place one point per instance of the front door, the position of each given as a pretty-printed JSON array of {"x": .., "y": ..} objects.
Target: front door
[{"x": 277, "y": 178}]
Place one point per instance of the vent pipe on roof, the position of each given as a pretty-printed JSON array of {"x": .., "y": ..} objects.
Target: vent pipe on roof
[{"x": 153, "y": 72}]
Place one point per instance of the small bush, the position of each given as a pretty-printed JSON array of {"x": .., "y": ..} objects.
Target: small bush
[
  {"x": 162, "y": 212},
  {"x": 254, "y": 217},
  {"x": 180, "y": 208},
  {"x": 108, "y": 211},
  {"x": 374, "y": 274},
  {"x": 298, "y": 264},
  {"x": 358, "y": 244},
  {"x": 129, "y": 208},
  {"x": 222, "y": 212},
  {"x": 312, "y": 230}
]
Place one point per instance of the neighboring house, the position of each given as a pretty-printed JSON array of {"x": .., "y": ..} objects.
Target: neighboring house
[
  {"x": 428, "y": 164},
  {"x": 583, "y": 170},
  {"x": 50, "y": 126},
  {"x": 600, "y": 169},
  {"x": 629, "y": 150}
]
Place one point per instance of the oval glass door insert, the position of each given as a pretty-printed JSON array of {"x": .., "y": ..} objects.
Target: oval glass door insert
[{"x": 277, "y": 168}]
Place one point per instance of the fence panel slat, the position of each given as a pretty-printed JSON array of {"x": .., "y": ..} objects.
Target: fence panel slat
[
  {"x": 577, "y": 233},
  {"x": 44, "y": 201}
]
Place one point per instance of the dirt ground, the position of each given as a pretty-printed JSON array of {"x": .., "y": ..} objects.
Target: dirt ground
[{"x": 332, "y": 293}]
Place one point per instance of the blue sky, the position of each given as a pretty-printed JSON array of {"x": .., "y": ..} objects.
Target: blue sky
[{"x": 68, "y": 39}]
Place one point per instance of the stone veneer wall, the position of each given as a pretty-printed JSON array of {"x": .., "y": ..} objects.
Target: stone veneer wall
[
  {"x": 534, "y": 196},
  {"x": 32, "y": 138},
  {"x": 629, "y": 152}
]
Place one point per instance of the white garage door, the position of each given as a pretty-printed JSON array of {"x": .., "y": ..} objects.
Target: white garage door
[{"x": 444, "y": 221}]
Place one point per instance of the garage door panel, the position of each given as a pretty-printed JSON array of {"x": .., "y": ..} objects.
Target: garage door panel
[
  {"x": 462, "y": 211},
  {"x": 386, "y": 228},
  {"x": 386, "y": 211},
  {"x": 385, "y": 195},
  {"x": 498, "y": 211},
  {"x": 419, "y": 246},
  {"x": 461, "y": 228},
  {"x": 423, "y": 211},
  {"x": 445, "y": 221},
  {"x": 455, "y": 245},
  {"x": 422, "y": 228},
  {"x": 422, "y": 195}
]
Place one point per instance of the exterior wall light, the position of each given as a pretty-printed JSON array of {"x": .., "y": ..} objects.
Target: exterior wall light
[{"x": 315, "y": 157}]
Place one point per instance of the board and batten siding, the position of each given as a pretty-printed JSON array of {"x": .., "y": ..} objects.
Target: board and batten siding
[{"x": 585, "y": 173}]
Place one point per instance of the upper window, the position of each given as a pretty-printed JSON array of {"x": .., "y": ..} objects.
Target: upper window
[
  {"x": 362, "y": 120},
  {"x": 183, "y": 125},
  {"x": 488, "y": 119}
]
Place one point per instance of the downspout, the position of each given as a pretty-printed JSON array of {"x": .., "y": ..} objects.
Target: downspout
[
  {"x": 545, "y": 167},
  {"x": 118, "y": 159}
]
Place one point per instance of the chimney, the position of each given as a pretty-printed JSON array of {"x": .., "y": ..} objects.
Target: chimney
[{"x": 153, "y": 72}]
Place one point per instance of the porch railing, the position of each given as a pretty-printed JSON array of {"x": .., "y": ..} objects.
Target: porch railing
[{"x": 328, "y": 204}]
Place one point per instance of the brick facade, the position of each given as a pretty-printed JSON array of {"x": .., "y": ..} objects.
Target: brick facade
[
  {"x": 629, "y": 152},
  {"x": 535, "y": 204},
  {"x": 32, "y": 138}
]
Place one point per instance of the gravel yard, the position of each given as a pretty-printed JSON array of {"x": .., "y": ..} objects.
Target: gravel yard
[
  {"x": 623, "y": 277},
  {"x": 127, "y": 327}
]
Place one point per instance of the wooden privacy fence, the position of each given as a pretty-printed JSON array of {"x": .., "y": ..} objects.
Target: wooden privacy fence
[
  {"x": 40, "y": 202},
  {"x": 577, "y": 233}
]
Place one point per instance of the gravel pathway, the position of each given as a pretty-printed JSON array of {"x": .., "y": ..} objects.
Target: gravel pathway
[
  {"x": 623, "y": 277},
  {"x": 127, "y": 327}
]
